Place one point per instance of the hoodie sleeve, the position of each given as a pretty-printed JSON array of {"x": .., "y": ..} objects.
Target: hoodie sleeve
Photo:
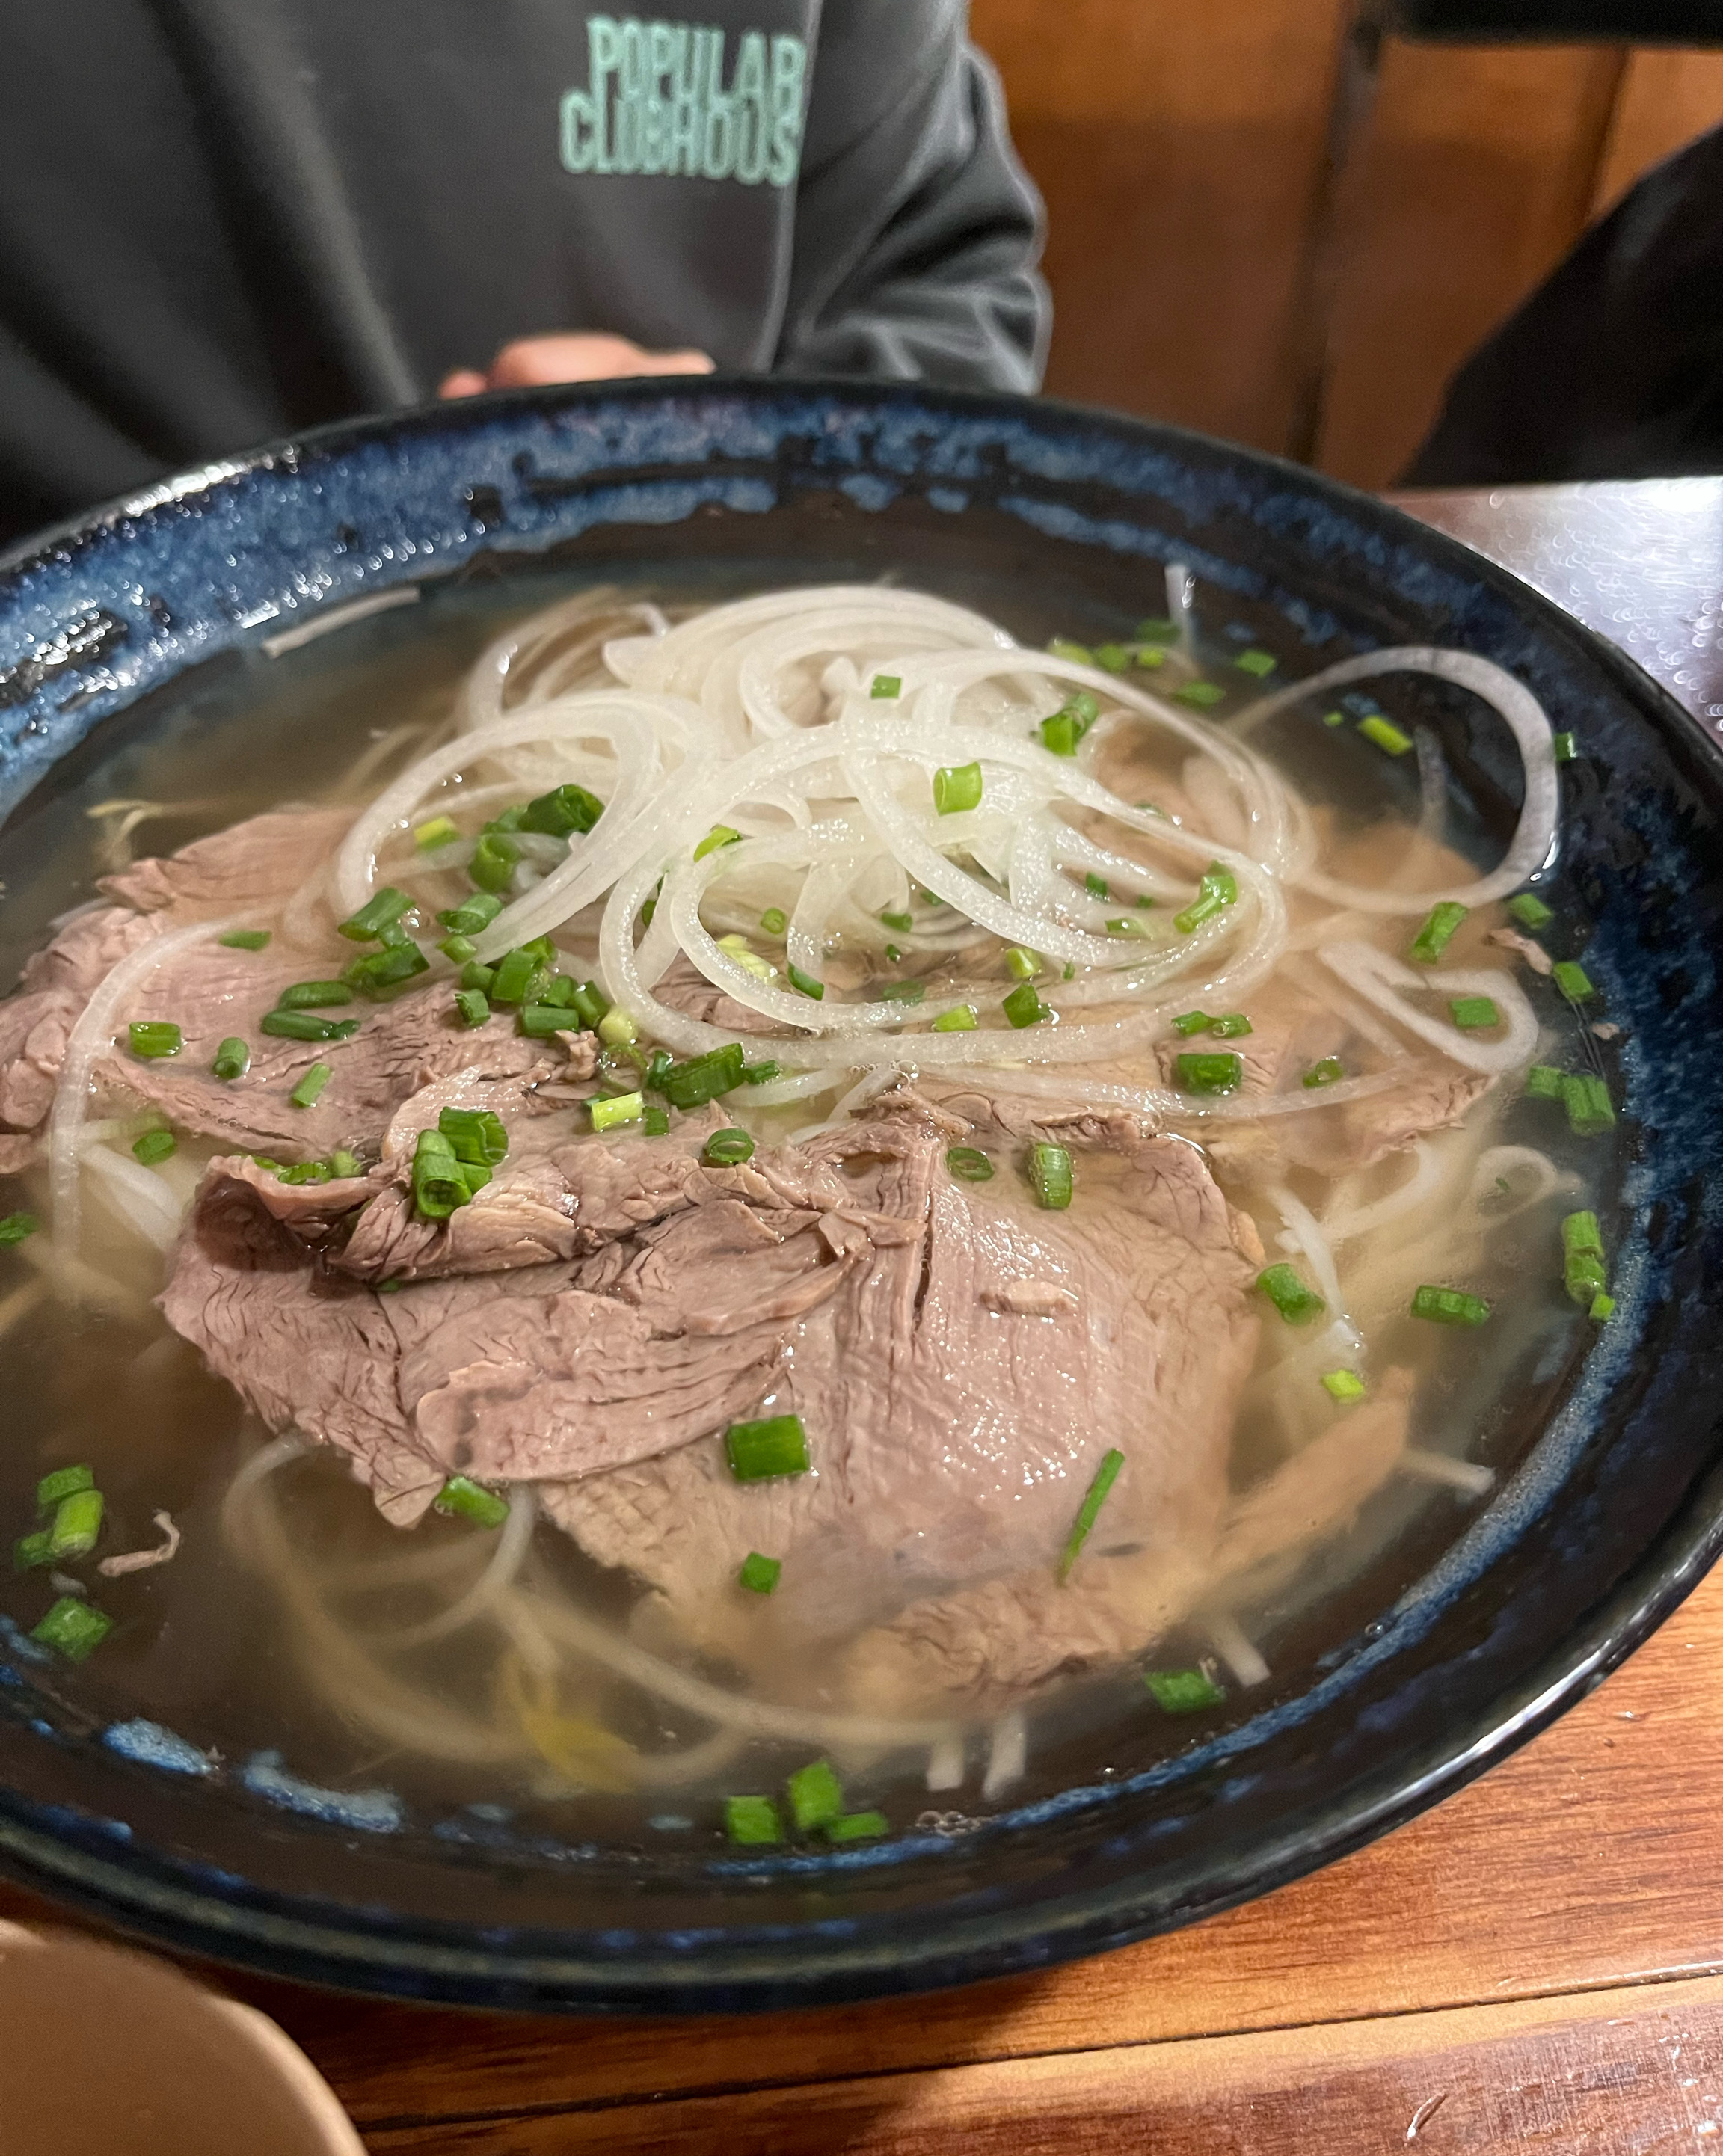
[{"x": 917, "y": 231}]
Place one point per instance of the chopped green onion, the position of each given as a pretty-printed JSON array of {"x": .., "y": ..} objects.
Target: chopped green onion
[
  {"x": 816, "y": 1796},
  {"x": 1328, "y": 1072},
  {"x": 902, "y": 922},
  {"x": 1095, "y": 886},
  {"x": 72, "y": 1628},
  {"x": 1087, "y": 1512},
  {"x": 473, "y": 975},
  {"x": 956, "y": 787},
  {"x": 304, "y": 1171},
  {"x": 1583, "y": 1272},
  {"x": 1220, "y": 1073},
  {"x": 1433, "y": 939},
  {"x": 727, "y": 1149},
  {"x": 1157, "y": 630},
  {"x": 621, "y": 1108},
  {"x": 590, "y": 1000},
  {"x": 564, "y": 810},
  {"x": 969, "y": 1163},
  {"x": 1049, "y": 1173},
  {"x": 520, "y": 978},
  {"x": 1449, "y": 1306},
  {"x": 1189, "y": 1022},
  {"x": 759, "y": 1574},
  {"x": 475, "y": 1134},
  {"x": 1023, "y": 1007},
  {"x": 1065, "y": 647},
  {"x": 304, "y": 1094},
  {"x": 150, "y": 1038},
  {"x": 1023, "y": 965},
  {"x": 457, "y": 949},
  {"x": 960, "y": 1019},
  {"x": 1392, "y": 740},
  {"x": 1297, "y": 1303},
  {"x": 473, "y": 1006},
  {"x": 245, "y": 939},
  {"x": 720, "y": 834},
  {"x": 775, "y": 1444},
  {"x": 617, "y": 1029},
  {"x": 859, "y": 1826},
  {"x": 1116, "y": 658},
  {"x": 63, "y": 1482},
  {"x": 1590, "y": 1111},
  {"x": 762, "y": 1074},
  {"x": 1573, "y": 981},
  {"x": 1062, "y": 733},
  {"x": 16, "y": 1226},
  {"x": 886, "y": 685},
  {"x": 1182, "y": 1692},
  {"x": 1602, "y": 1307},
  {"x": 343, "y": 1164},
  {"x": 1334, "y": 718},
  {"x": 752, "y": 1822},
  {"x": 805, "y": 984},
  {"x": 386, "y": 968},
  {"x": 1529, "y": 911},
  {"x": 1231, "y": 1025},
  {"x": 439, "y": 1184},
  {"x": 1202, "y": 695},
  {"x": 437, "y": 832},
  {"x": 774, "y": 921},
  {"x": 30, "y": 1550},
  {"x": 232, "y": 1059},
  {"x": 702, "y": 1078},
  {"x": 657, "y": 1122},
  {"x": 154, "y": 1146},
  {"x": 313, "y": 995},
  {"x": 493, "y": 861},
  {"x": 1564, "y": 747},
  {"x": 381, "y": 911},
  {"x": 1259, "y": 662},
  {"x": 1149, "y": 656},
  {"x": 1470, "y": 1012},
  {"x": 508, "y": 819},
  {"x": 1543, "y": 1083},
  {"x": 77, "y": 1522},
  {"x": 472, "y": 916},
  {"x": 1343, "y": 1385},
  {"x": 902, "y": 992},
  {"x": 462, "y": 1498},
  {"x": 1217, "y": 888}
]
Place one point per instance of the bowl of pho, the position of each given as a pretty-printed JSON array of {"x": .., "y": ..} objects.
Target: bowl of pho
[{"x": 811, "y": 1189}]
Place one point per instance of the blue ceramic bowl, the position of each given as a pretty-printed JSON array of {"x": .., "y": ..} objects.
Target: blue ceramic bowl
[{"x": 1436, "y": 1662}]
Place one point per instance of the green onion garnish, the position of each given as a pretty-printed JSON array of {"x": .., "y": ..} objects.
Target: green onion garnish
[
  {"x": 804, "y": 983},
  {"x": 1334, "y": 718},
  {"x": 886, "y": 685},
  {"x": 304, "y": 1094},
  {"x": 1343, "y": 1385},
  {"x": 1328, "y": 1072},
  {"x": 1583, "y": 1272},
  {"x": 1449, "y": 1306},
  {"x": 1470, "y": 1012},
  {"x": 1529, "y": 911},
  {"x": 859, "y": 1826},
  {"x": 313, "y": 995},
  {"x": 473, "y": 1006},
  {"x": 1149, "y": 656},
  {"x": 304, "y": 1171},
  {"x": 472, "y": 916},
  {"x": 1231, "y": 1025},
  {"x": 381, "y": 911},
  {"x": 387, "y": 969},
  {"x": 657, "y": 1122},
  {"x": 1219, "y": 1073},
  {"x": 759, "y": 1574},
  {"x": 1602, "y": 1307},
  {"x": 903, "y": 991},
  {"x": 520, "y": 978},
  {"x": 1192, "y": 1021},
  {"x": 701, "y": 1078},
  {"x": 956, "y": 787},
  {"x": 1182, "y": 1692},
  {"x": 16, "y": 1226},
  {"x": 150, "y": 1038},
  {"x": 762, "y": 1074},
  {"x": 306, "y": 1025},
  {"x": 727, "y": 1149},
  {"x": 72, "y": 1628},
  {"x": 1065, "y": 647},
  {"x": 1096, "y": 1495},
  {"x": 475, "y": 1134},
  {"x": 1259, "y": 662},
  {"x": 816, "y": 1796},
  {"x": 1543, "y": 1083},
  {"x": 774, "y": 921},
  {"x": 457, "y": 949},
  {"x": 563, "y": 811},
  {"x": 1297, "y": 1303},
  {"x": 343, "y": 1164},
  {"x": 1023, "y": 965},
  {"x": 63, "y": 1482},
  {"x": 473, "y": 975},
  {"x": 438, "y": 1183},
  {"x": 77, "y": 1522},
  {"x": 969, "y": 1163},
  {"x": 1095, "y": 886},
  {"x": 1049, "y": 1172},
  {"x": 1392, "y": 740},
  {"x": 960, "y": 1019},
  {"x": 1116, "y": 658},
  {"x": 245, "y": 939},
  {"x": 775, "y": 1445},
  {"x": 617, "y": 1029},
  {"x": 1564, "y": 747},
  {"x": 493, "y": 861},
  {"x": 1218, "y": 888},
  {"x": 1023, "y": 1007},
  {"x": 902, "y": 922},
  {"x": 462, "y": 1498},
  {"x": 1590, "y": 1113},
  {"x": 752, "y": 1822},
  {"x": 1433, "y": 939},
  {"x": 622, "y": 1108},
  {"x": 154, "y": 1146},
  {"x": 29, "y": 1552},
  {"x": 437, "y": 832},
  {"x": 1573, "y": 981},
  {"x": 1202, "y": 695},
  {"x": 720, "y": 834}
]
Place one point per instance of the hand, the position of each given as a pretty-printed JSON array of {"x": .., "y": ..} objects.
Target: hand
[{"x": 578, "y": 356}]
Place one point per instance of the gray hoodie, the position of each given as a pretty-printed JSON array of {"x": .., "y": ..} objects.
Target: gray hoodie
[{"x": 221, "y": 220}]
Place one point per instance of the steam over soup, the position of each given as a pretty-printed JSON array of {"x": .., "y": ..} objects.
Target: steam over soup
[{"x": 830, "y": 1174}]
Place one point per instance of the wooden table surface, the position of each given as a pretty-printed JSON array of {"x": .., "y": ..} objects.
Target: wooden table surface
[{"x": 1537, "y": 1962}]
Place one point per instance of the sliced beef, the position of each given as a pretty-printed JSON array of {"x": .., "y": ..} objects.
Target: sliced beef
[
  {"x": 259, "y": 862},
  {"x": 686, "y": 990}
]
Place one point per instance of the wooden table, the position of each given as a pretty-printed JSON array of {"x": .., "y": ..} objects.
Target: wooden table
[{"x": 1537, "y": 1962}]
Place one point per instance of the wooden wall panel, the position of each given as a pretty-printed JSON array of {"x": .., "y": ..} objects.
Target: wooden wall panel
[
  {"x": 1182, "y": 151},
  {"x": 1667, "y": 98}
]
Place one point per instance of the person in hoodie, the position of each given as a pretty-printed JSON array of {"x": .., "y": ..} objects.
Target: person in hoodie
[{"x": 222, "y": 222}]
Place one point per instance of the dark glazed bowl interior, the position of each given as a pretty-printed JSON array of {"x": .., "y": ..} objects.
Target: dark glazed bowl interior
[{"x": 1053, "y": 517}]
